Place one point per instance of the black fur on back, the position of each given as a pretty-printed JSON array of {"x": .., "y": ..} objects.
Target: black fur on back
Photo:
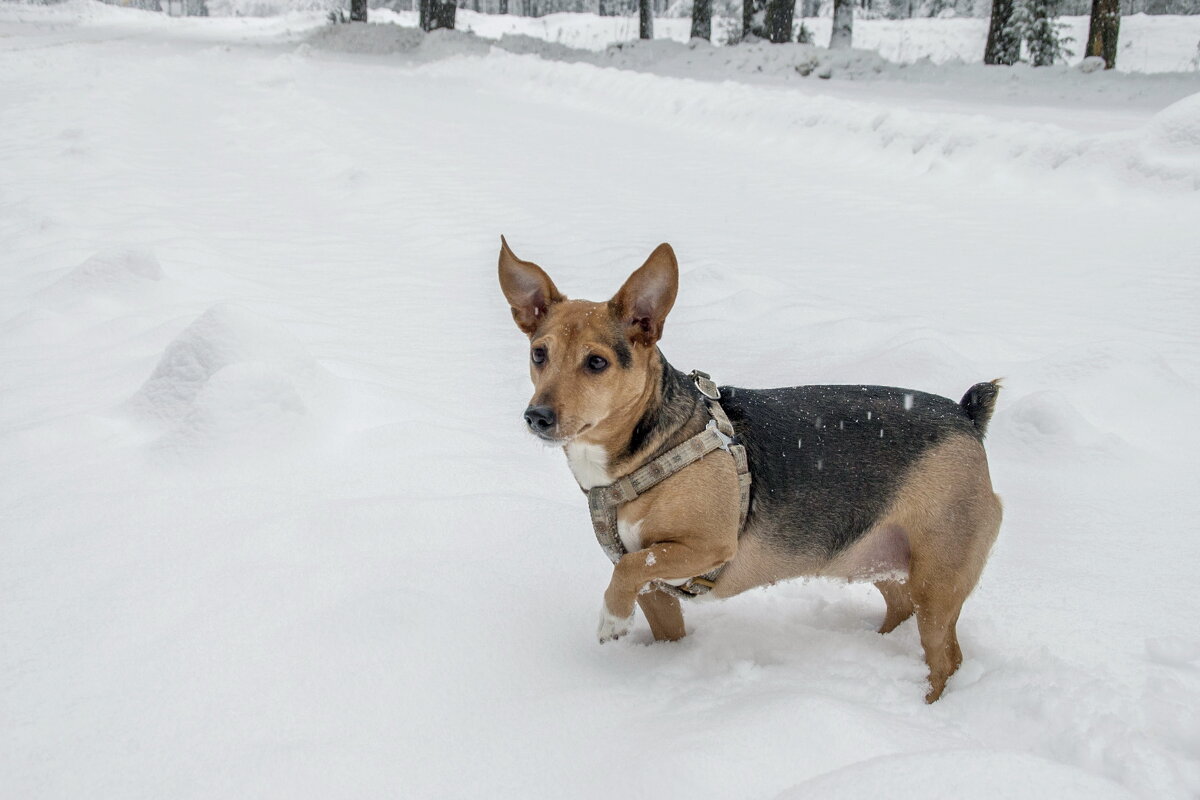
[{"x": 826, "y": 460}]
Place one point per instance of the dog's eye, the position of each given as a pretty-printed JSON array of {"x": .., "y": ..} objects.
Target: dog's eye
[
  {"x": 597, "y": 363},
  {"x": 538, "y": 355}
]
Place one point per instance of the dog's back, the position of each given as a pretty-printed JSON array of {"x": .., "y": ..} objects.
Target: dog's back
[{"x": 828, "y": 460}]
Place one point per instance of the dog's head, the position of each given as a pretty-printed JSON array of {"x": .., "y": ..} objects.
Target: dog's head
[{"x": 593, "y": 365}]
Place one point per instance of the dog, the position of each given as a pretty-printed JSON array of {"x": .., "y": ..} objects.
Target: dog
[{"x": 862, "y": 483}]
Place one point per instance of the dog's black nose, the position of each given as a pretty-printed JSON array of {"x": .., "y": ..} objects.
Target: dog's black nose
[{"x": 540, "y": 418}]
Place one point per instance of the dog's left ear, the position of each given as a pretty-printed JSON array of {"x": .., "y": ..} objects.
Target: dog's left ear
[
  {"x": 647, "y": 296},
  {"x": 527, "y": 287}
]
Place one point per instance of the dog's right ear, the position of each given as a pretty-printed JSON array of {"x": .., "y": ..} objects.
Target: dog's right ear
[{"x": 529, "y": 290}]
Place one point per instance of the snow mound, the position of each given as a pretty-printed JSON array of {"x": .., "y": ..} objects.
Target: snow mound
[
  {"x": 1173, "y": 650},
  {"x": 957, "y": 773},
  {"x": 388, "y": 39},
  {"x": 1175, "y": 131},
  {"x": 1048, "y": 423},
  {"x": 700, "y": 58},
  {"x": 230, "y": 374},
  {"x": 111, "y": 274},
  {"x": 267, "y": 8}
]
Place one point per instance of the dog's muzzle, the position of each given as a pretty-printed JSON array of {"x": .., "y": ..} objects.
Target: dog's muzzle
[{"x": 541, "y": 420}]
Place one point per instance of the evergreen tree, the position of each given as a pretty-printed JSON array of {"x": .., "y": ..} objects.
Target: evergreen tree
[{"x": 1034, "y": 23}]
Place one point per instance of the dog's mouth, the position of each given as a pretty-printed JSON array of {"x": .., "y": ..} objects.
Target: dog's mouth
[{"x": 557, "y": 439}]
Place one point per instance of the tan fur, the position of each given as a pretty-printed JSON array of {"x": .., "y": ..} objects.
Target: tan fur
[
  {"x": 689, "y": 527},
  {"x": 664, "y": 615},
  {"x": 946, "y": 510},
  {"x": 943, "y": 518},
  {"x": 947, "y": 507}
]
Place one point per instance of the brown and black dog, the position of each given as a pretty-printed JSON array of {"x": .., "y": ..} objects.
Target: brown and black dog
[{"x": 854, "y": 482}]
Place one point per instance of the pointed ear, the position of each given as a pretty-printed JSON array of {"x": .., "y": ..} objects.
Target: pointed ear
[
  {"x": 529, "y": 290},
  {"x": 646, "y": 298}
]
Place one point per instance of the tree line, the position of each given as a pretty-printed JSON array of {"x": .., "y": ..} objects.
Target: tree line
[{"x": 1013, "y": 24}]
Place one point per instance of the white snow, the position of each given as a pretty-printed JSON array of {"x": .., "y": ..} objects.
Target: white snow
[{"x": 271, "y": 525}]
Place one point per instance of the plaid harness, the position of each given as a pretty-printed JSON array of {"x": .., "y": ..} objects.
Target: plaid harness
[{"x": 603, "y": 501}]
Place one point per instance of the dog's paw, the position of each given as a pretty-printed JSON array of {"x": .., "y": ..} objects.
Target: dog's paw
[{"x": 612, "y": 627}]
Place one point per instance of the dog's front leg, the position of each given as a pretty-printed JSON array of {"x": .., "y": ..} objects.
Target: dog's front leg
[
  {"x": 667, "y": 560},
  {"x": 663, "y": 613}
]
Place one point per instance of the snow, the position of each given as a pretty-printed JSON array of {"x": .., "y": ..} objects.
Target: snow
[{"x": 272, "y": 527}]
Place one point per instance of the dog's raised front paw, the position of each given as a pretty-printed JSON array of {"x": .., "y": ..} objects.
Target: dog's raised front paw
[{"x": 612, "y": 627}]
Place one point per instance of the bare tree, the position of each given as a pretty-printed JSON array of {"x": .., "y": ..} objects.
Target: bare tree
[
  {"x": 1102, "y": 33},
  {"x": 768, "y": 19},
  {"x": 843, "y": 24},
  {"x": 437, "y": 14},
  {"x": 702, "y": 19},
  {"x": 645, "y": 19},
  {"x": 780, "y": 14}
]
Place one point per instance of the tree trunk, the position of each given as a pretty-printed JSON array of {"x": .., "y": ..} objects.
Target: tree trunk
[
  {"x": 780, "y": 14},
  {"x": 810, "y": 8},
  {"x": 645, "y": 20},
  {"x": 843, "y": 24},
  {"x": 1003, "y": 45},
  {"x": 702, "y": 19},
  {"x": 1102, "y": 33},
  {"x": 503, "y": 6},
  {"x": 358, "y": 10},
  {"x": 437, "y": 14}
]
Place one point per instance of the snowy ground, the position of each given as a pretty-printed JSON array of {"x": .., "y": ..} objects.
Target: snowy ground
[{"x": 271, "y": 526}]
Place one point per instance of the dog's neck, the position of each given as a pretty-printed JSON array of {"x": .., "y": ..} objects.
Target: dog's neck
[{"x": 671, "y": 411}]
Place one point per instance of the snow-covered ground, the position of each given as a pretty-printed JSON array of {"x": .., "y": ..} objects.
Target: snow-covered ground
[{"x": 271, "y": 527}]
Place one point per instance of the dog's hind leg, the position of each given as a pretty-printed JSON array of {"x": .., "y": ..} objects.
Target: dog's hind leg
[
  {"x": 952, "y": 517},
  {"x": 937, "y": 610},
  {"x": 945, "y": 568},
  {"x": 899, "y": 604},
  {"x": 664, "y": 615}
]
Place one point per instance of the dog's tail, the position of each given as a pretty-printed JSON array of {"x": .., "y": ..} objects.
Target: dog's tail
[{"x": 979, "y": 402}]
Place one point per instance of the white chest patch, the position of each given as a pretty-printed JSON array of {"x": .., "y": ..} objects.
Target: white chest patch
[
  {"x": 631, "y": 536},
  {"x": 589, "y": 464}
]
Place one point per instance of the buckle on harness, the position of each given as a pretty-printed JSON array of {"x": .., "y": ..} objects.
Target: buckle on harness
[
  {"x": 705, "y": 384},
  {"x": 725, "y": 440}
]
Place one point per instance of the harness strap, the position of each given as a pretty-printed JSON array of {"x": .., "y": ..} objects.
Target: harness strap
[{"x": 603, "y": 501}]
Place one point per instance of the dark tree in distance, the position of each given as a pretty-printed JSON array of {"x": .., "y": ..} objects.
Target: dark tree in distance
[
  {"x": 754, "y": 14},
  {"x": 437, "y": 14},
  {"x": 780, "y": 14},
  {"x": 843, "y": 24},
  {"x": 645, "y": 19},
  {"x": 1003, "y": 44},
  {"x": 768, "y": 19},
  {"x": 1103, "y": 30},
  {"x": 702, "y": 19},
  {"x": 358, "y": 10}
]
